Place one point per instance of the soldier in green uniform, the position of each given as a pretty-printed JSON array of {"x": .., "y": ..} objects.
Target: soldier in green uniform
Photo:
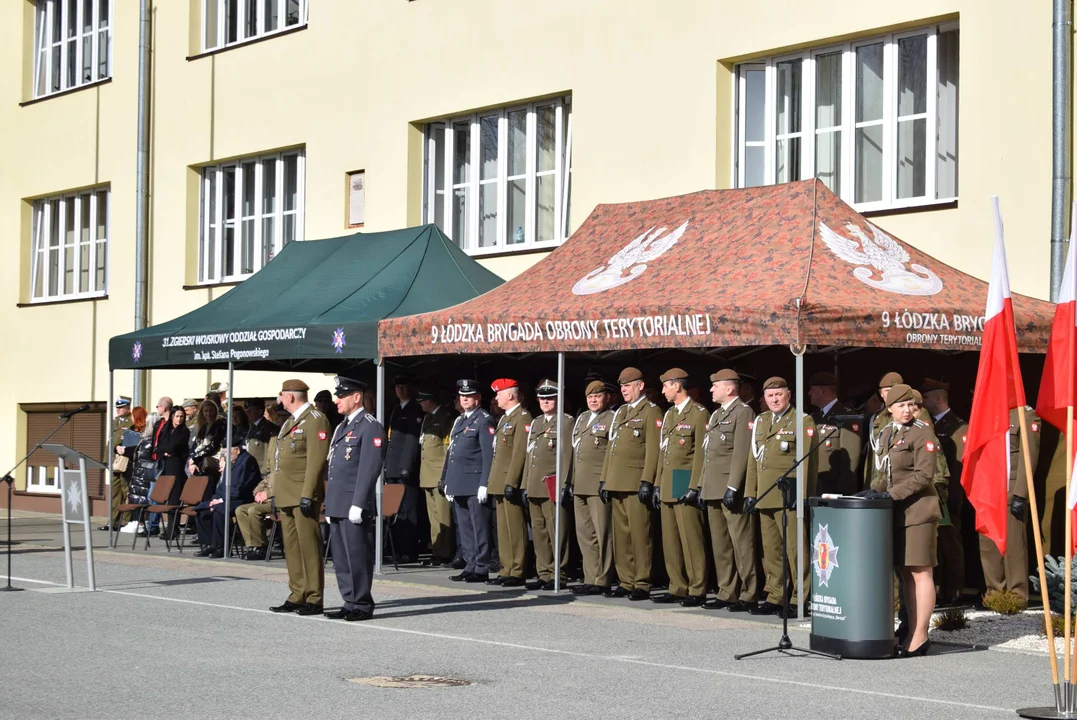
[
  {"x": 774, "y": 450},
  {"x": 681, "y": 456},
  {"x": 434, "y": 444},
  {"x": 190, "y": 409},
  {"x": 120, "y": 423},
  {"x": 873, "y": 478},
  {"x": 1010, "y": 571},
  {"x": 541, "y": 463},
  {"x": 249, "y": 516},
  {"x": 839, "y": 451},
  {"x": 299, "y": 466},
  {"x": 726, "y": 451},
  {"x": 504, "y": 484},
  {"x": 590, "y": 438},
  {"x": 628, "y": 475}
]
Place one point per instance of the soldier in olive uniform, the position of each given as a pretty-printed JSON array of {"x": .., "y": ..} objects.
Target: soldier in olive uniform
[
  {"x": 839, "y": 452},
  {"x": 1010, "y": 571},
  {"x": 774, "y": 450},
  {"x": 628, "y": 475},
  {"x": 541, "y": 463},
  {"x": 506, "y": 475},
  {"x": 249, "y": 516},
  {"x": 872, "y": 477},
  {"x": 726, "y": 450},
  {"x": 681, "y": 451},
  {"x": 950, "y": 431},
  {"x": 299, "y": 465},
  {"x": 120, "y": 423},
  {"x": 437, "y": 424},
  {"x": 190, "y": 409},
  {"x": 590, "y": 437}
]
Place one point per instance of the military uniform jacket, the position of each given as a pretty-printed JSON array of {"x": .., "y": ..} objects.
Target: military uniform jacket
[
  {"x": 542, "y": 454},
  {"x": 1018, "y": 483},
  {"x": 405, "y": 429},
  {"x": 510, "y": 449},
  {"x": 467, "y": 464},
  {"x": 257, "y": 444},
  {"x": 300, "y": 458},
  {"x": 774, "y": 451},
  {"x": 632, "y": 455},
  {"x": 434, "y": 441},
  {"x": 839, "y": 453},
  {"x": 590, "y": 438},
  {"x": 680, "y": 446},
  {"x": 726, "y": 449},
  {"x": 266, "y": 485},
  {"x": 355, "y": 461},
  {"x": 120, "y": 424},
  {"x": 906, "y": 455},
  {"x": 951, "y": 431}
]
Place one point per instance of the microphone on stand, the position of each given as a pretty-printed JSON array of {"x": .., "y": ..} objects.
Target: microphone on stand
[{"x": 76, "y": 411}]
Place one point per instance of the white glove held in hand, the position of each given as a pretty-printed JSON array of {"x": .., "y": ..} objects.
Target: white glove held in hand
[
  {"x": 355, "y": 514},
  {"x": 482, "y": 494},
  {"x": 449, "y": 497}
]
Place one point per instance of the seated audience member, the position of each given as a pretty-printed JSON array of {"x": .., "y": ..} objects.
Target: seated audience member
[{"x": 210, "y": 517}]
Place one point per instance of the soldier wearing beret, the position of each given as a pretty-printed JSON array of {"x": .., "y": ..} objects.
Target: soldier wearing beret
[
  {"x": 506, "y": 476},
  {"x": 539, "y": 466},
  {"x": 355, "y": 462},
  {"x": 464, "y": 481},
  {"x": 681, "y": 452},
  {"x": 774, "y": 450},
  {"x": 726, "y": 452},
  {"x": 878, "y": 421},
  {"x": 121, "y": 423},
  {"x": 299, "y": 465},
  {"x": 590, "y": 438},
  {"x": 839, "y": 451},
  {"x": 434, "y": 441},
  {"x": 628, "y": 475}
]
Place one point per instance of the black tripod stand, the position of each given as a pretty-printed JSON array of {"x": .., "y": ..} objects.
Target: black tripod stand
[{"x": 786, "y": 485}]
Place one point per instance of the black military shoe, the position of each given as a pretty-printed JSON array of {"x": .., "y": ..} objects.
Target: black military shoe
[
  {"x": 310, "y": 609},
  {"x": 582, "y": 589},
  {"x": 462, "y": 576},
  {"x": 717, "y": 604},
  {"x": 256, "y": 553},
  {"x": 358, "y": 616},
  {"x": 534, "y": 584},
  {"x": 692, "y": 601},
  {"x": 477, "y": 577},
  {"x": 639, "y": 594},
  {"x": 499, "y": 580},
  {"x": 593, "y": 590},
  {"x": 766, "y": 608},
  {"x": 288, "y": 606},
  {"x": 548, "y": 586},
  {"x": 459, "y": 564},
  {"x": 512, "y": 582},
  {"x": 667, "y": 599},
  {"x": 337, "y": 614},
  {"x": 742, "y": 606},
  {"x": 617, "y": 591}
]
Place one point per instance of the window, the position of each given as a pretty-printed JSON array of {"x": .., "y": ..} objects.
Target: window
[
  {"x": 227, "y": 22},
  {"x": 250, "y": 209},
  {"x": 85, "y": 433},
  {"x": 356, "y": 198},
  {"x": 875, "y": 120},
  {"x": 72, "y": 44},
  {"x": 70, "y": 246},
  {"x": 499, "y": 180}
]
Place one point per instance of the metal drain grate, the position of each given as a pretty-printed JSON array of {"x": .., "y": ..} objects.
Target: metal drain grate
[{"x": 410, "y": 681}]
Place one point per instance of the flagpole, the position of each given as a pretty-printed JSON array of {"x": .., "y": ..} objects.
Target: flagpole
[{"x": 1069, "y": 558}]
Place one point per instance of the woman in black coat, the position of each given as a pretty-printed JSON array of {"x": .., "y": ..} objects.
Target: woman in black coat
[
  {"x": 172, "y": 449},
  {"x": 206, "y": 442}
]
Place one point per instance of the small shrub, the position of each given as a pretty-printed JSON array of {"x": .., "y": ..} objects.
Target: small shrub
[
  {"x": 1004, "y": 602},
  {"x": 950, "y": 619},
  {"x": 1058, "y": 624}
]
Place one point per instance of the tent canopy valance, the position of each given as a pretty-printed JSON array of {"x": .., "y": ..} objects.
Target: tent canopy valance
[
  {"x": 315, "y": 306},
  {"x": 779, "y": 265}
]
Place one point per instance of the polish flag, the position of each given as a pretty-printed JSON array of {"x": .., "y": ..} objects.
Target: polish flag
[{"x": 999, "y": 389}]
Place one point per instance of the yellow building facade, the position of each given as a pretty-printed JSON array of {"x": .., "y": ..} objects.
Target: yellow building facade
[{"x": 505, "y": 122}]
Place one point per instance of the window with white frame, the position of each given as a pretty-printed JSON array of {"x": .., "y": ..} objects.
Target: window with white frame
[
  {"x": 227, "y": 22},
  {"x": 72, "y": 44},
  {"x": 875, "y": 120},
  {"x": 250, "y": 209},
  {"x": 499, "y": 180},
  {"x": 70, "y": 246}
]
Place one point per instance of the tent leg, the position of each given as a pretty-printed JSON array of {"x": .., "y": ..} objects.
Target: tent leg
[
  {"x": 800, "y": 482},
  {"x": 558, "y": 469},
  {"x": 379, "y": 539},
  {"x": 108, "y": 466},
  {"x": 228, "y": 465}
]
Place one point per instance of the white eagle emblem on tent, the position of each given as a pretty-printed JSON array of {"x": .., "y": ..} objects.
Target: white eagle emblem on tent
[
  {"x": 629, "y": 262},
  {"x": 886, "y": 256}
]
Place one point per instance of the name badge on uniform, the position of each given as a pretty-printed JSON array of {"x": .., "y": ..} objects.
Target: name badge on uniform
[{"x": 297, "y": 431}]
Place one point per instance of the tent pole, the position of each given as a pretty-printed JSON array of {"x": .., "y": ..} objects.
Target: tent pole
[
  {"x": 378, "y": 531},
  {"x": 110, "y": 476},
  {"x": 228, "y": 466},
  {"x": 558, "y": 469},
  {"x": 800, "y": 480}
]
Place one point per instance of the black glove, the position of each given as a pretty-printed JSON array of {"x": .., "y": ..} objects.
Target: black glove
[
  {"x": 691, "y": 498},
  {"x": 1018, "y": 506},
  {"x": 749, "y": 505},
  {"x": 656, "y": 499},
  {"x": 873, "y": 495},
  {"x": 646, "y": 489},
  {"x": 510, "y": 494},
  {"x": 306, "y": 507},
  {"x": 729, "y": 499},
  {"x": 441, "y": 489},
  {"x": 566, "y": 496},
  {"x": 523, "y": 498},
  {"x": 603, "y": 493}
]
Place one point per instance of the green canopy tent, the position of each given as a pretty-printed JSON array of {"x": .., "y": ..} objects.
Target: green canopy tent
[{"x": 315, "y": 307}]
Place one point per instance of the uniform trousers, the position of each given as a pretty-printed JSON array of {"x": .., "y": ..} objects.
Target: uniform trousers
[
  {"x": 593, "y": 533},
  {"x": 631, "y": 541},
  {"x": 473, "y": 519},
  {"x": 543, "y": 520},
  {"x": 770, "y": 528},
  {"x": 1009, "y": 571},
  {"x": 441, "y": 532},
  {"x": 682, "y": 547},
  {"x": 119, "y": 497},
  {"x": 302, "y": 555},
  {"x": 511, "y": 537},
  {"x": 353, "y": 561},
  {"x": 249, "y": 518},
  {"x": 210, "y": 524},
  {"x": 735, "y": 558},
  {"x": 950, "y": 570}
]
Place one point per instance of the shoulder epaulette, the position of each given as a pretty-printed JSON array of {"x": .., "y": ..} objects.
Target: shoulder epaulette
[
  {"x": 651, "y": 404},
  {"x": 700, "y": 408},
  {"x": 315, "y": 413},
  {"x": 920, "y": 423},
  {"x": 371, "y": 418}
]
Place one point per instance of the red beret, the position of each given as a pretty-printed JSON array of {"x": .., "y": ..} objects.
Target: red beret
[{"x": 503, "y": 384}]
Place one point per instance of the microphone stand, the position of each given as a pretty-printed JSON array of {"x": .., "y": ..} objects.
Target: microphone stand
[
  {"x": 10, "y": 480},
  {"x": 786, "y": 486}
]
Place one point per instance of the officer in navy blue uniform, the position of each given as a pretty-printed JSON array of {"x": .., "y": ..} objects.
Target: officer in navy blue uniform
[
  {"x": 463, "y": 481},
  {"x": 355, "y": 460}
]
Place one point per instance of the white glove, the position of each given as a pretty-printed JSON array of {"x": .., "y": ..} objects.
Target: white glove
[
  {"x": 355, "y": 514},
  {"x": 482, "y": 494},
  {"x": 449, "y": 498}
]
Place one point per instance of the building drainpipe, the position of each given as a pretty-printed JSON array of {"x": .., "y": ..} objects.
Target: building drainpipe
[
  {"x": 1061, "y": 135},
  {"x": 142, "y": 189}
]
